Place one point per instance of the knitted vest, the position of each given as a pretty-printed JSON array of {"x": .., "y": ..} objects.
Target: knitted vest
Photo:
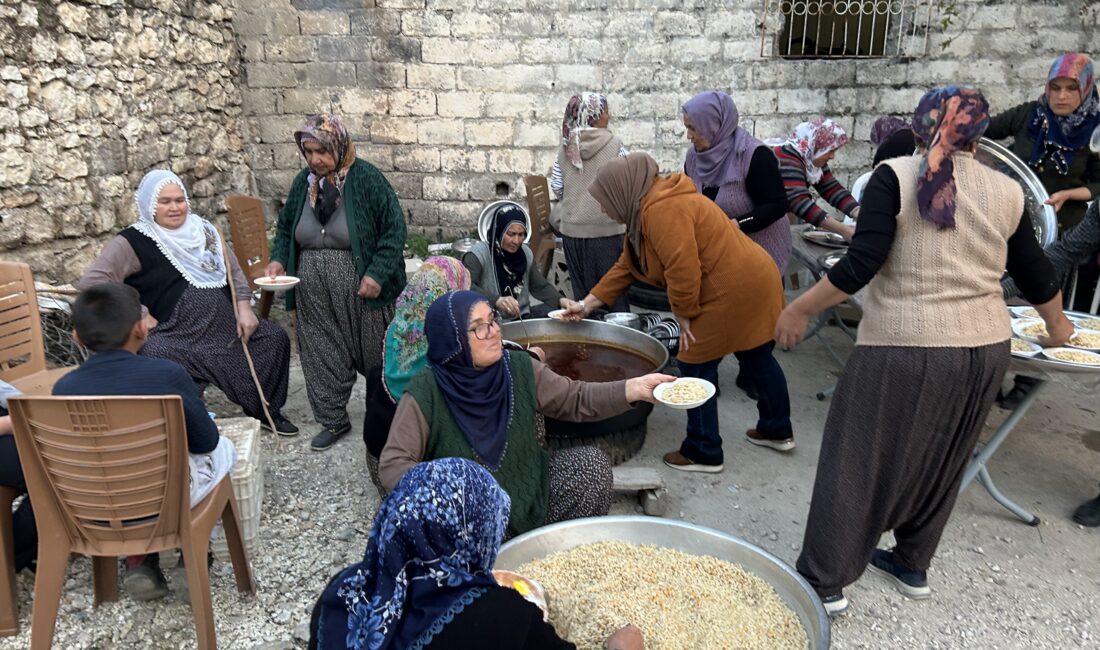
[
  {"x": 159, "y": 284},
  {"x": 524, "y": 471},
  {"x": 577, "y": 214},
  {"x": 941, "y": 288}
]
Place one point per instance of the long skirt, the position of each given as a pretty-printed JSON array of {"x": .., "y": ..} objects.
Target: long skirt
[
  {"x": 339, "y": 334},
  {"x": 899, "y": 435},
  {"x": 201, "y": 336},
  {"x": 580, "y": 484},
  {"x": 589, "y": 260}
]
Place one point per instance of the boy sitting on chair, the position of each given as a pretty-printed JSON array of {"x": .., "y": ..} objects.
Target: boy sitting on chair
[{"x": 109, "y": 320}]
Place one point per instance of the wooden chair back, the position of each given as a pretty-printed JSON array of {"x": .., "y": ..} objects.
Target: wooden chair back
[{"x": 543, "y": 240}]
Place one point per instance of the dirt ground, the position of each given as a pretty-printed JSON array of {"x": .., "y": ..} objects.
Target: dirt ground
[{"x": 997, "y": 582}]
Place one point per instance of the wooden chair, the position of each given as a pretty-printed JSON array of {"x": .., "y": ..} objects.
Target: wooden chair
[
  {"x": 543, "y": 240},
  {"x": 22, "y": 350},
  {"x": 109, "y": 478},
  {"x": 9, "y": 605},
  {"x": 248, "y": 230}
]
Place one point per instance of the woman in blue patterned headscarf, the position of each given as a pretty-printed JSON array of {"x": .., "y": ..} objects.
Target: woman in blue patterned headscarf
[{"x": 430, "y": 554}]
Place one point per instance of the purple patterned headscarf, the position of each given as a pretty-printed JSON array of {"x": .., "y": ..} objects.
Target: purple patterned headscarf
[
  {"x": 946, "y": 121},
  {"x": 886, "y": 126},
  {"x": 715, "y": 117}
]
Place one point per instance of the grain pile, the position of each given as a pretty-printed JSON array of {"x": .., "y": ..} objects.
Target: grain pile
[{"x": 678, "y": 600}]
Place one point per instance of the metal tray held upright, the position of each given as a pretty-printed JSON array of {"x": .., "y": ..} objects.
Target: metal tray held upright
[{"x": 1043, "y": 217}]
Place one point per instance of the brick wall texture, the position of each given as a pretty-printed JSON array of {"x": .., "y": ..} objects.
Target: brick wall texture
[{"x": 455, "y": 100}]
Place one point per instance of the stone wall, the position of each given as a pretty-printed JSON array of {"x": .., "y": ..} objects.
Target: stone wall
[
  {"x": 457, "y": 99},
  {"x": 96, "y": 94}
]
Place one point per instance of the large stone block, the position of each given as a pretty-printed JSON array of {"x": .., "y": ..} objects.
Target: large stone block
[
  {"x": 493, "y": 133},
  {"x": 526, "y": 23},
  {"x": 636, "y": 134},
  {"x": 109, "y": 157},
  {"x": 393, "y": 131},
  {"x": 416, "y": 159},
  {"x": 582, "y": 24},
  {"x": 579, "y": 76},
  {"x": 433, "y": 77},
  {"x": 412, "y": 102},
  {"x": 407, "y": 186},
  {"x": 321, "y": 75},
  {"x": 536, "y": 134},
  {"x": 459, "y": 104},
  {"x": 440, "y": 132},
  {"x": 509, "y": 77},
  {"x": 803, "y": 101},
  {"x": 360, "y": 101},
  {"x": 511, "y": 105},
  {"x": 446, "y": 188},
  {"x": 325, "y": 22},
  {"x": 463, "y": 161},
  {"x": 427, "y": 23},
  {"x": 687, "y": 51},
  {"x": 270, "y": 75},
  {"x": 59, "y": 100},
  {"x": 471, "y": 52},
  {"x": 296, "y": 49},
  {"x": 380, "y": 75},
  {"x": 376, "y": 22},
  {"x": 511, "y": 161},
  {"x": 474, "y": 25},
  {"x": 732, "y": 24},
  {"x": 344, "y": 48},
  {"x": 396, "y": 48},
  {"x": 544, "y": 50},
  {"x": 676, "y": 23}
]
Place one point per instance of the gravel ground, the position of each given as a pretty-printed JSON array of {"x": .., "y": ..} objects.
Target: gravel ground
[{"x": 997, "y": 583}]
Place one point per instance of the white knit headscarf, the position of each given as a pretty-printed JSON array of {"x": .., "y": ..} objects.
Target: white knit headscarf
[{"x": 194, "y": 249}]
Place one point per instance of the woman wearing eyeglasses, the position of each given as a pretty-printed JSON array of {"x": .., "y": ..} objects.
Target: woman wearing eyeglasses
[{"x": 473, "y": 401}]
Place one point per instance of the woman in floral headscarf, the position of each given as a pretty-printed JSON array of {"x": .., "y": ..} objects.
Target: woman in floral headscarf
[
  {"x": 938, "y": 231},
  {"x": 176, "y": 261},
  {"x": 405, "y": 349},
  {"x": 591, "y": 241},
  {"x": 803, "y": 162},
  {"x": 426, "y": 579},
  {"x": 343, "y": 233}
]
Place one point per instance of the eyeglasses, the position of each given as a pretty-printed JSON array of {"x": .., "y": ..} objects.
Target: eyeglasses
[{"x": 482, "y": 331}]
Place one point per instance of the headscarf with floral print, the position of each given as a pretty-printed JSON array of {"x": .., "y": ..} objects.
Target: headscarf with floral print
[
  {"x": 814, "y": 139},
  {"x": 1058, "y": 138},
  {"x": 946, "y": 121},
  {"x": 405, "y": 346},
  {"x": 327, "y": 130},
  {"x": 430, "y": 554},
  {"x": 582, "y": 112}
]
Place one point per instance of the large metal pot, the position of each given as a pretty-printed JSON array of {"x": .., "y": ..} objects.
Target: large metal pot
[
  {"x": 621, "y": 436},
  {"x": 689, "y": 538}
]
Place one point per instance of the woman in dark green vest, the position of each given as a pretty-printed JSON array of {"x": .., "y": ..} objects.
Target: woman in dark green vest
[
  {"x": 473, "y": 401},
  {"x": 343, "y": 233}
]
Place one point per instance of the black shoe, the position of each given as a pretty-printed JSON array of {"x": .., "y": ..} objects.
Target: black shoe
[
  {"x": 1088, "y": 513},
  {"x": 909, "y": 582},
  {"x": 1020, "y": 389},
  {"x": 145, "y": 582},
  {"x": 327, "y": 438},
  {"x": 283, "y": 426},
  {"x": 835, "y": 604},
  {"x": 744, "y": 384}
]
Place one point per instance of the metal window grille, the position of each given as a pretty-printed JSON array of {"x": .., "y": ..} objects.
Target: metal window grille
[{"x": 832, "y": 29}]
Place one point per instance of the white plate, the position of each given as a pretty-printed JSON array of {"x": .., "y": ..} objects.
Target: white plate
[
  {"x": 1024, "y": 311},
  {"x": 659, "y": 392},
  {"x": 1093, "y": 348},
  {"x": 1085, "y": 321},
  {"x": 277, "y": 284},
  {"x": 1033, "y": 349},
  {"x": 557, "y": 314},
  {"x": 1051, "y": 353},
  {"x": 1018, "y": 327}
]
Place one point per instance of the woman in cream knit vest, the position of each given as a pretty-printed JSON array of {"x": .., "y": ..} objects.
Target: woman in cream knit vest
[{"x": 936, "y": 233}]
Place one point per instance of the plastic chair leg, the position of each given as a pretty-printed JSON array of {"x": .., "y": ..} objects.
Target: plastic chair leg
[
  {"x": 48, "y": 582},
  {"x": 9, "y": 602},
  {"x": 198, "y": 583},
  {"x": 105, "y": 579},
  {"x": 242, "y": 572}
]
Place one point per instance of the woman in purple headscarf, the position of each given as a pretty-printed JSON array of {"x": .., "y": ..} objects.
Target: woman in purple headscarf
[
  {"x": 737, "y": 171},
  {"x": 937, "y": 232}
]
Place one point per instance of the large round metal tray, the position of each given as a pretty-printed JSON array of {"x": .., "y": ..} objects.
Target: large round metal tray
[
  {"x": 1043, "y": 216},
  {"x": 486, "y": 217},
  {"x": 689, "y": 538}
]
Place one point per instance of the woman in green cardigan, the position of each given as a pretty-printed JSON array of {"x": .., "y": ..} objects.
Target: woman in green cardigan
[
  {"x": 342, "y": 232},
  {"x": 473, "y": 401}
]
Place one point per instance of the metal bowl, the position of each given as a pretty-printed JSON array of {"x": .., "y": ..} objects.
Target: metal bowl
[
  {"x": 1042, "y": 215},
  {"x": 551, "y": 330},
  {"x": 689, "y": 538},
  {"x": 485, "y": 219},
  {"x": 624, "y": 319}
]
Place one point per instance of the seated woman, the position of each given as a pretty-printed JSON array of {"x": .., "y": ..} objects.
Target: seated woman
[
  {"x": 803, "y": 161},
  {"x": 177, "y": 262},
  {"x": 426, "y": 581},
  {"x": 404, "y": 349},
  {"x": 590, "y": 240},
  {"x": 503, "y": 269},
  {"x": 474, "y": 401}
]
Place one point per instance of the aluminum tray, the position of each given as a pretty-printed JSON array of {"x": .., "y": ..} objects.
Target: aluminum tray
[
  {"x": 1042, "y": 215},
  {"x": 689, "y": 538}
]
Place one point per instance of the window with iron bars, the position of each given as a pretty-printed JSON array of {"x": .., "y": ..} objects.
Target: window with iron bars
[{"x": 836, "y": 29}]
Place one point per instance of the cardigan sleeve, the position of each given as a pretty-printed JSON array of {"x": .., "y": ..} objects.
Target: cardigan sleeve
[
  {"x": 874, "y": 235},
  {"x": 764, "y": 186},
  {"x": 1008, "y": 123},
  {"x": 796, "y": 185},
  {"x": 1078, "y": 245},
  {"x": 116, "y": 262},
  {"x": 284, "y": 224},
  {"x": 406, "y": 444},
  {"x": 832, "y": 191},
  {"x": 566, "y": 399},
  {"x": 384, "y": 209}
]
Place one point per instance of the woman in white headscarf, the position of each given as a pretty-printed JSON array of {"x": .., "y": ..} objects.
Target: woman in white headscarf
[{"x": 176, "y": 261}]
